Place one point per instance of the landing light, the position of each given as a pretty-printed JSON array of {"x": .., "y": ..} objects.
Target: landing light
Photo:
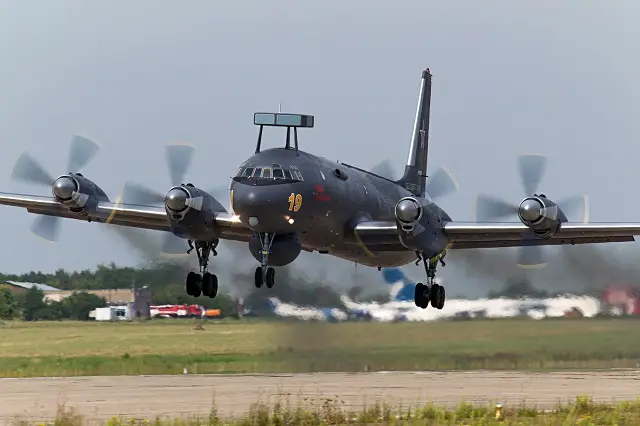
[{"x": 291, "y": 221}]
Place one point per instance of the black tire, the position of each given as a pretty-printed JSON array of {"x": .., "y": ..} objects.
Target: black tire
[
  {"x": 189, "y": 284},
  {"x": 419, "y": 296},
  {"x": 258, "y": 277},
  {"x": 214, "y": 286},
  {"x": 271, "y": 277},
  {"x": 437, "y": 296},
  {"x": 207, "y": 284},
  {"x": 197, "y": 286}
]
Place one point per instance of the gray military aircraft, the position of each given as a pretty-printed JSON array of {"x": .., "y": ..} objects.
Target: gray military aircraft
[{"x": 285, "y": 200}]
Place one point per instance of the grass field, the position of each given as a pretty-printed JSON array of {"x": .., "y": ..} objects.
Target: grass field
[
  {"x": 583, "y": 412},
  {"x": 167, "y": 347}
]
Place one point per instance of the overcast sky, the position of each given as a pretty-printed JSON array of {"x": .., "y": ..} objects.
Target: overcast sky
[{"x": 558, "y": 78}]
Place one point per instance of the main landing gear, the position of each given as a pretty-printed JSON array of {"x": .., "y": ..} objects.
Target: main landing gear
[
  {"x": 207, "y": 283},
  {"x": 265, "y": 274},
  {"x": 430, "y": 292}
]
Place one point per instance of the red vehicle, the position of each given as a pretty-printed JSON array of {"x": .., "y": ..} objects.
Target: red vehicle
[
  {"x": 626, "y": 299},
  {"x": 177, "y": 311}
]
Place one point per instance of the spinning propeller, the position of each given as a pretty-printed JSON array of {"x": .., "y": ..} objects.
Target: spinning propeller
[
  {"x": 179, "y": 158},
  {"x": 439, "y": 184},
  {"x": 28, "y": 169},
  {"x": 531, "y": 169}
]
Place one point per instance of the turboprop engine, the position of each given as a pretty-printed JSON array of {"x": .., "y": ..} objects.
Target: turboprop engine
[
  {"x": 77, "y": 192},
  {"x": 191, "y": 210},
  {"x": 540, "y": 214},
  {"x": 420, "y": 224}
]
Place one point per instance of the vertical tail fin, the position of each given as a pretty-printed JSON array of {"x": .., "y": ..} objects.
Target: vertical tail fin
[{"x": 415, "y": 172}]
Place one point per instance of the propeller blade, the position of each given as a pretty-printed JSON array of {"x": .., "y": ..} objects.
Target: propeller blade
[
  {"x": 179, "y": 158},
  {"x": 81, "y": 151},
  {"x": 28, "y": 169},
  {"x": 140, "y": 195},
  {"x": 576, "y": 208},
  {"x": 173, "y": 245},
  {"x": 384, "y": 169},
  {"x": 441, "y": 184},
  {"x": 47, "y": 227},
  {"x": 531, "y": 257},
  {"x": 531, "y": 168},
  {"x": 139, "y": 239},
  {"x": 490, "y": 209}
]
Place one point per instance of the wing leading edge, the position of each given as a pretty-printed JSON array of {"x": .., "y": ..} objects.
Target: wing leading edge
[
  {"x": 383, "y": 235},
  {"x": 144, "y": 217}
]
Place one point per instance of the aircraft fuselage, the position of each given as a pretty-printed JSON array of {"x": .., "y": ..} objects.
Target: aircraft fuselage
[{"x": 317, "y": 201}]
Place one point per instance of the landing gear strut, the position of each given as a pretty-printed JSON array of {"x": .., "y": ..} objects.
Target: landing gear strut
[
  {"x": 430, "y": 292},
  {"x": 204, "y": 283},
  {"x": 265, "y": 274}
]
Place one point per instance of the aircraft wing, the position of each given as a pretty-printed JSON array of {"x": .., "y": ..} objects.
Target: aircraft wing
[
  {"x": 145, "y": 217},
  {"x": 508, "y": 234},
  {"x": 383, "y": 235}
]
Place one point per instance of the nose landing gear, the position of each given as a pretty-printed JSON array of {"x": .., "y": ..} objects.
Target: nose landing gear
[
  {"x": 265, "y": 274},
  {"x": 430, "y": 292},
  {"x": 207, "y": 283}
]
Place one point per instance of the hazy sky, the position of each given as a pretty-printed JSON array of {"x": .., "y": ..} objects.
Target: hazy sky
[{"x": 510, "y": 77}]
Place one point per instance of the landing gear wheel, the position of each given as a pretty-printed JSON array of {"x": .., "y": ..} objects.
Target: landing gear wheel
[
  {"x": 209, "y": 285},
  {"x": 206, "y": 284},
  {"x": 214, "y": 288},
  {"x": 196, "y": 284},
  {"x": 421, "y": 296},
  {"x": 271, "y": 277},
  {"x": 437, "y": 296},
  {"x": 258, "y": 277},
  {"x": 191, "y": 284}
]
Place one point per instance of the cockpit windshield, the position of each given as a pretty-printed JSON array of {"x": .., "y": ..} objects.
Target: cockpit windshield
[{"x": 272, "y": 173}]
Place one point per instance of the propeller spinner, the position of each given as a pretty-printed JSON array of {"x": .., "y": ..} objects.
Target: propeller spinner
[
  {"x": 531, "y": 169},
  {"x": 28, "y": 169}
]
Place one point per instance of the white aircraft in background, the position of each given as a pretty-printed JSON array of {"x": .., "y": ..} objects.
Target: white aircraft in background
[
  {"x": 401, "y": 307},
  {"x": 306, "y": 312}
]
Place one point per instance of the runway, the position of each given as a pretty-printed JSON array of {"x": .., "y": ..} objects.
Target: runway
[{"x": 150, "y": 396}]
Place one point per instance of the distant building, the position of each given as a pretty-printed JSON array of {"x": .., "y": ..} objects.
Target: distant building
[
  {"x": 138, "y": 299},
  {"x": 20, "y": 287}
]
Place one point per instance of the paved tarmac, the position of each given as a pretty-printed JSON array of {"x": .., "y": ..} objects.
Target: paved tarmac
[{"x": 150, "y": 396}]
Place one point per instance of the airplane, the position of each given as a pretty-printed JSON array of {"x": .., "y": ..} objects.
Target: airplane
[
  {"x": 285, "y": 200},
  {"x": 312, "y": 313}
]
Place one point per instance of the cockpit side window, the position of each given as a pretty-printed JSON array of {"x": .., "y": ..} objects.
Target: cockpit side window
[
  {"x": 278, "y": 174},
  {"x": 287, "y": 174},
  {"x": 248, "y": 172},
  {"x": 266, "y": 173},
  {"x": 257, "y": 172}
]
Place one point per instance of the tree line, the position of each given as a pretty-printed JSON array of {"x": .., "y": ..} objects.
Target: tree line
[
  {"x": 31, "y": 306},
  {"x": 165, "y": 281}
]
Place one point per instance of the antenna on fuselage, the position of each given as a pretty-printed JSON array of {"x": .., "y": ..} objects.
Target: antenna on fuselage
[{"x": 282, "y": 120}]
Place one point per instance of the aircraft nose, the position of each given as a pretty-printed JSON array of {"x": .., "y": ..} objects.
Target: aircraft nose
[{"x": 263, "y": 208}]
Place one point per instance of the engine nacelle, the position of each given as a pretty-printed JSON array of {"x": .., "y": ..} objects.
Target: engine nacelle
[
  {"x": 285, "y": 248},
  {"x": 77, "y": 192},
  {"x": 420, "y": 225},
  {"x": 540, "y": 214},
  {"x": 192, "y": 211}
]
